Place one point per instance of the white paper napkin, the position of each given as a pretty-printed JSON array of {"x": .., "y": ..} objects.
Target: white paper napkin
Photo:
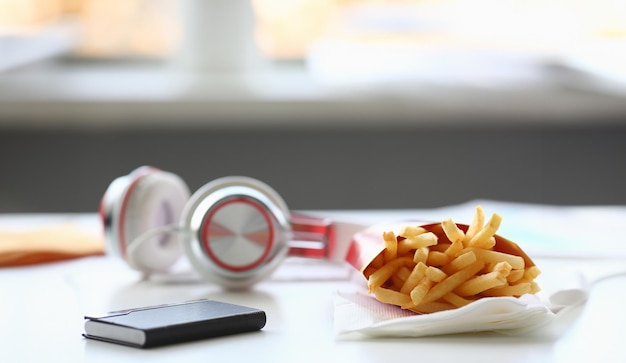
[{"x": 358, "y": 315}]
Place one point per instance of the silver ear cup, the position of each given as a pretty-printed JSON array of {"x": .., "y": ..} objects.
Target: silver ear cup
[
  {"x": 136, "y": 204},
  {"x": 238, "y": 231}
]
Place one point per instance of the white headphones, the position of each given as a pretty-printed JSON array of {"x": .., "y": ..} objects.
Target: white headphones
[{"x": 234, "y": 230}]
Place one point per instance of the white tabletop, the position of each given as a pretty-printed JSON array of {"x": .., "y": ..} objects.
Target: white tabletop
[{"x": 43, "y": 306}]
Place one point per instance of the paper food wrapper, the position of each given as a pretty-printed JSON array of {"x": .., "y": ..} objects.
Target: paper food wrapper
[{"x": 360, "y": 314}]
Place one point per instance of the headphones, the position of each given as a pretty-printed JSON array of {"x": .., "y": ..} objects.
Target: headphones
[{"x": 234, "y": 230}]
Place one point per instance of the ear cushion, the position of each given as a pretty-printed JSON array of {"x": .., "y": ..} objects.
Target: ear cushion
[{"x": 155, "y": 200}]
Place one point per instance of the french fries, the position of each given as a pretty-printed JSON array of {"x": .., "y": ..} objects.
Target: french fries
[{"x": 447, "y": 265}]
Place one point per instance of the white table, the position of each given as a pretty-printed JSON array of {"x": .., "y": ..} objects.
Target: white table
[{"x": 43, "y": 306}]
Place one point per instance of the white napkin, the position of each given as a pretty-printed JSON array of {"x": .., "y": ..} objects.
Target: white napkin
[
  {"x": 358, "y": 315},
  {"x": 565, "y": 285}
]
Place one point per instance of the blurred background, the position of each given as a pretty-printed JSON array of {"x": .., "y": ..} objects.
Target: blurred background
[{"x": 338, "y": 104}]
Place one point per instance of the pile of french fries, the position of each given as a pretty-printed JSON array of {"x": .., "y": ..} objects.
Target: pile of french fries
[{"x": 446, "y": 265}]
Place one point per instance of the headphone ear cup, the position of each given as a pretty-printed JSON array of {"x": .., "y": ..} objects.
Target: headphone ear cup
[
  {"x": 238, "y": 231},
  {"x": 153, "y": 200}
]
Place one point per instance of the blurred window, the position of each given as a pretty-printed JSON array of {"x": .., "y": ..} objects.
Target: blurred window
[
  {"x": 287, "y": 28},
  {"x": 103, "y": 28}
]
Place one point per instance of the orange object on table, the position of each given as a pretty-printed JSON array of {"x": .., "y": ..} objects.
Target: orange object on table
[{"x": 48, "y": 244}]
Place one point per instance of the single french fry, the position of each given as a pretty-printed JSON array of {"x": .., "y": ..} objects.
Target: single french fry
[
  {"x": 534, "y": 287},
  {"x": 420, "y": 290},
  {"x": 436, "y": 258},
  {"x": 421, "y": 255},
  {"x": 454, "y": 249},
  {"x": 480, "y": 283},
  {"x": 419, "y": 241},
  {"x": 452, "y": 231},
  {"x": 459, "y": 263},
  {"x": 452, "y": 282},
  {"x": 456, "y": 300},
  {"x": 391, "y": 246},
  {"x": 487, "y": 244},
  {"x": 531, "y": 273},
  {"x": 434, "y": 274},
  {"x": 410, "y": 231},
  {"x": 509, "y": 290},
  {"x": 391, "y": 297}
]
